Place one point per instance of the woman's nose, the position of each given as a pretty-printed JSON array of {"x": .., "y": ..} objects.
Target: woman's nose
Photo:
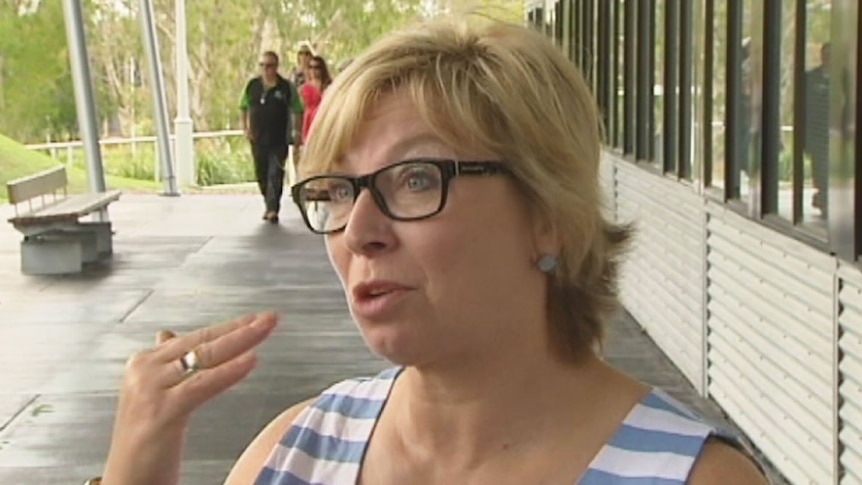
[{"x": 368, "y": 230}]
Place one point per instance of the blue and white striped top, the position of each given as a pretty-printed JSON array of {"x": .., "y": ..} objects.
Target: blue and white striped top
[{"x": 656, "y": 444}]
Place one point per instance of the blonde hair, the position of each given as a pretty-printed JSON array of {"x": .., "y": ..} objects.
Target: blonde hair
[{"x": 509, "y": 91}]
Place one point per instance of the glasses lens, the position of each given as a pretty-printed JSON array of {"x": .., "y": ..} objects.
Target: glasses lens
[
  {"x": 326, "y": 202},
  {"x": 411, "y": 190}
]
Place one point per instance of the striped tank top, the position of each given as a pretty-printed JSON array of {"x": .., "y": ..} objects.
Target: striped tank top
[{"x": 656, "y": 444}]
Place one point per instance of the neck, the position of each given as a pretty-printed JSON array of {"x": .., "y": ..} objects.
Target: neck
[
  {"x": 270, "y": 79},
  {"x": 497, "y": 405}
]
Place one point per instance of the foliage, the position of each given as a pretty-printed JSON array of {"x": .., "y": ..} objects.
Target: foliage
[
  {"x": 224, "y": 161},
  {"x": 224, "y": 39},
  {"x": 34, "y": 99}
]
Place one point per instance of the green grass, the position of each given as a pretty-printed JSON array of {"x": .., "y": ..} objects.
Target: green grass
[{"x": 16, "y": 161}]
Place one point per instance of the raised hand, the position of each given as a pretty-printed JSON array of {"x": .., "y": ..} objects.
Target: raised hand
[{"x": 163, "y": 385}]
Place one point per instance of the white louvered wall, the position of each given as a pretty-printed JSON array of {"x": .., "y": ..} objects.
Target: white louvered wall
[
  {"x": 770, "y": 350},
  {"x": 850, "y": 366},
  {"x": 607, "y": 177},
  {"x": 662, "y": 279},
  {"x": 770, "y": 338}
]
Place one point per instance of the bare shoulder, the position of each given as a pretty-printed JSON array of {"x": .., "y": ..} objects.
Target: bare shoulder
[
  {"x": 250, "y": 463},
  {"x": 720, "y": 463}
]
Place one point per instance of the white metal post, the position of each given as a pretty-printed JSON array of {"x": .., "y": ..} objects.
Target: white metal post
[
  {"x": 184, "y": 148},
  {"x": 151, "y": 46},
  {"x": 85, "y": 103}
]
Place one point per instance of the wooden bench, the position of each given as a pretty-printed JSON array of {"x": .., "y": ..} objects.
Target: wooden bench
[{"x": 56, "y": 241}]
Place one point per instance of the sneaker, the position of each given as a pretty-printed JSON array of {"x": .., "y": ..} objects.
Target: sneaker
[{"x": 271, "y": 216}]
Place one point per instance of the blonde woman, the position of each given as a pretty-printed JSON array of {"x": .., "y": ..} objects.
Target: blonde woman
[{"x": 457, "y": 192}]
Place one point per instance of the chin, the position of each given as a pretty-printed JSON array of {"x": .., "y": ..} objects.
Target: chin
[{"x": 396, "y": 343}]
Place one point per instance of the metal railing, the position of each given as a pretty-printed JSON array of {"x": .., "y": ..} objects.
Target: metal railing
[{"x": 69, "y": 148}]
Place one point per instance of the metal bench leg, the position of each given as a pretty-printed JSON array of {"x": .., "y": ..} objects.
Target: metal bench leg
[{"x": 51, "y": 255}]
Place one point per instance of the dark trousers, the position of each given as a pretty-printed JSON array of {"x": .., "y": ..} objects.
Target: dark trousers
[{"x": 269, "y": 169}]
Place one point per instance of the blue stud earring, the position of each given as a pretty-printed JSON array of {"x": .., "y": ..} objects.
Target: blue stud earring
[{"x": 547, "y": 263}]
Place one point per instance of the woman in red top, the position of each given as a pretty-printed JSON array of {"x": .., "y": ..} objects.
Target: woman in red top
[{"x": 312, "y": 91}]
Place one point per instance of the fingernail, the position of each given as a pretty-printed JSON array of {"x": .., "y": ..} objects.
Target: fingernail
[{"x": 265, "y": 320}]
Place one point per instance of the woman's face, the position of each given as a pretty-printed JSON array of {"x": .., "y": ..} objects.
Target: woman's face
[
  {"x": 456, "y": 284},
  {"x": 315, "y": 69}
]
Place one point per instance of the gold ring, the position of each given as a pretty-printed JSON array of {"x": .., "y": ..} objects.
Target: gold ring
[{"x": 190, "y": 363}]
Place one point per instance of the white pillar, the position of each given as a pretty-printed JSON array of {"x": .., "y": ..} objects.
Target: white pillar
[
  {"x": 84, "y": 99},
  {"x": 184, "y": 148},
  {"x": 151, "y": 47}
]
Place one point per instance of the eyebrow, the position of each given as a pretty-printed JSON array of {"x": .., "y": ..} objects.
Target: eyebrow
[{"x": 400, "y": 150}]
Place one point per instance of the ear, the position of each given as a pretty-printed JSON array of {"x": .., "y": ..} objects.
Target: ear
[{"x": 546, "y": 237}]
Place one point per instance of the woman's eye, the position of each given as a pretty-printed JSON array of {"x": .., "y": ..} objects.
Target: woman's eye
[
  {"x": 417, "y": 180},
  {"x": 340, "y": 193}
]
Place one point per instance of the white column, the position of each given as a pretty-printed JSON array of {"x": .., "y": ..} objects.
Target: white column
[
  {"x": 85, "y": 103},
  {"x": 184, "y": 148},
  {"x": 157, "y": 84}
]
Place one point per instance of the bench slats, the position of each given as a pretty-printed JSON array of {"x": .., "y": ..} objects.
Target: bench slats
[
  {"x": 72, "y": 207},
  {"x": 42, "y": 183}
]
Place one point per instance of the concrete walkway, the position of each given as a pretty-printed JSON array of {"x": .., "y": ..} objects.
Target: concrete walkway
[{"x": 183, "y": 263}]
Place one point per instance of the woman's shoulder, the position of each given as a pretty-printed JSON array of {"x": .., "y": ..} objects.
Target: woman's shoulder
[
  {"x": 252, "y": 460},
  {"x": 354, "y": 398},
  {"x": 721, "y": 462},
  {"x": 720, "y": 455}
]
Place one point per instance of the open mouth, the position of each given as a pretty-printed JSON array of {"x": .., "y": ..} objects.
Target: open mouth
[
  {"x": 375, "y": 299},
  {"x": 370, "y": 292}
]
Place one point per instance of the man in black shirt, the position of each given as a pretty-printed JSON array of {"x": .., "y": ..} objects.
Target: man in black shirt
[{"x": 266, "y": 104}]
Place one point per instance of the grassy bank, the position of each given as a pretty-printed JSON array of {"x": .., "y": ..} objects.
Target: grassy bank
[{"x": 18, "y": 161}]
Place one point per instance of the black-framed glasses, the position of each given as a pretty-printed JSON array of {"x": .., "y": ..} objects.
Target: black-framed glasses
[
  {"x": 405, "y": 191},
  {"x": 267, "y": 64}
]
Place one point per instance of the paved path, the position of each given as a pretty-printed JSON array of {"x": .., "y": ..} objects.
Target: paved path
[{"x": 183, "y": 263}]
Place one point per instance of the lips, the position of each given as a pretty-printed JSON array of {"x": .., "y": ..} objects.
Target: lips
[{"x": 377, "y": 299}]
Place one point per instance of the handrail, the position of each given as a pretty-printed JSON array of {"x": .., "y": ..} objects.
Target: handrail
[{"x": 126, "y": 141}]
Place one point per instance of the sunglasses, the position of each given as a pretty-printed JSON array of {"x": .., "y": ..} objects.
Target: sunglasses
[{"x": 267, "y": 64}]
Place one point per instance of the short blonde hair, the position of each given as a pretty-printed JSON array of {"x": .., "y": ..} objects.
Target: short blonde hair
[{"x": 509, "y": 91}]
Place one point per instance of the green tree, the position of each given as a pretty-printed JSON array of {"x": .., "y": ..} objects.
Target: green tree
[
  {"x": 224, "y": 40},
  {"x": 36, "y": 97}
]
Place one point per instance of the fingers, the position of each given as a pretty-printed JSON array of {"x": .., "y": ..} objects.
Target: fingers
[
  {"x": 223, "y": 362},
  {"x": 232, "y": 345},
  {"x": 177, "y": 347},
  {"x": 232, "y": 342},
  {"x": 204, "y": 385},
  {"x": 157, "y": 392}
]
